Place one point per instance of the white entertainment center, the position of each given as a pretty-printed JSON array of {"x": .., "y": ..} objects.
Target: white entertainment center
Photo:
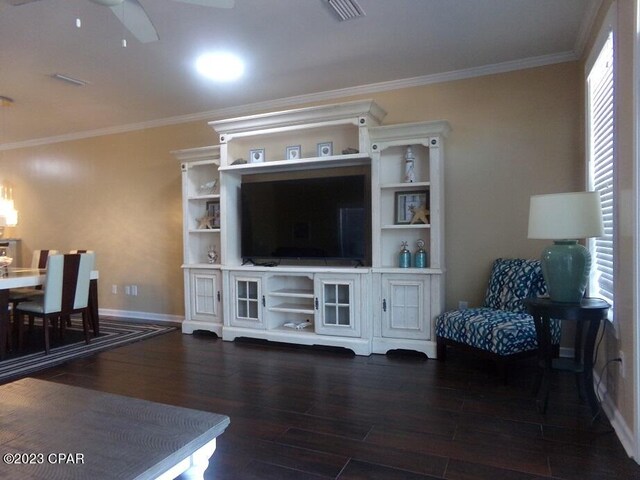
[{"x": 370, "y": 308}]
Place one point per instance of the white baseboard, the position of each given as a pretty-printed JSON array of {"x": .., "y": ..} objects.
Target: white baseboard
[
  {"x": 146, "y": 317},
  {"x": 624, "y": 433}
]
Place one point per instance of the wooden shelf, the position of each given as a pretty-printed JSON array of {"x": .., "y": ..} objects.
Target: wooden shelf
[
  {"x": 405, "y": 185},
  {"x": 292, "y": 308},
  {"x": 406, "y": 227},
  {"x": 292, "y": 293},
  {"x": 212, "y": 196}
]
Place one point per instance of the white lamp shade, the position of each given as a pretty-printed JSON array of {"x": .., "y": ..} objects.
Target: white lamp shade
[{"x": 565, "y": 216}]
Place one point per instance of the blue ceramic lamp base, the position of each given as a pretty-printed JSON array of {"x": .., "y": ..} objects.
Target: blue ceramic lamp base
[{"x": 565, "y": 267}]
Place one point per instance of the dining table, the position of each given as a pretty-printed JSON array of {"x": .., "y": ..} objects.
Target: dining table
[{"x": 32, "y": 277}]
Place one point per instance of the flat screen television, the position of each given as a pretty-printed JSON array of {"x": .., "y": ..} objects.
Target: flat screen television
[{"x": 322, "y": 218}]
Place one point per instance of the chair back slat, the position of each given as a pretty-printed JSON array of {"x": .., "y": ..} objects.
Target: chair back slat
[
  {"x": 41, "y": 257},
  {"x": 52, "y": 301},
  {"x": 69, "y": 282},
  {"x": 87, "y": 262}
]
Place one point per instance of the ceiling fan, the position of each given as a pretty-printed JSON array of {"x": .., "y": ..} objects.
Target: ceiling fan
[{"x": 133, "y": 16}]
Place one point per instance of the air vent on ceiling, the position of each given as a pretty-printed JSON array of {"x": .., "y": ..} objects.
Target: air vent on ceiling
[{"x": 346, "y": 9}]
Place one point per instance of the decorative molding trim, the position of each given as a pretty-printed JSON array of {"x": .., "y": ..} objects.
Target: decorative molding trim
[
  {"x": 252, "y": 108},
  {"x": 147, "y": 317},
  {"x": 586, "y": 25}
]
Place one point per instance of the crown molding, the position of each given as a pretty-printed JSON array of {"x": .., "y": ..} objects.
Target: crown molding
[
  {"x": 252, "y": 108},
  {"x": 586, "y": 26}
]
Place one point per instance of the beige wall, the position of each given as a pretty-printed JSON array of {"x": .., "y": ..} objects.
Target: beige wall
[{"x": 514, "y": 135}]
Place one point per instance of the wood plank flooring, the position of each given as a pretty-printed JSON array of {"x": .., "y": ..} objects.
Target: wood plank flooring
[{"x": 301, "y": 413}]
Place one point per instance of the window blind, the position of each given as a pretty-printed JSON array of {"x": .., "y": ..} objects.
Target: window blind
[{"x": 601, "y": 168}]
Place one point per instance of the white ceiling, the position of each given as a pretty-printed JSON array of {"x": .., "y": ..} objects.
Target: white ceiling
[{"x": 292, "y": 48}]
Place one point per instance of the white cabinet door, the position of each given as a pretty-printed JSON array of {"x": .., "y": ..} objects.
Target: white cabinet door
[
  {"x": 205, "y": 295},
  {"x": 335, "y": 303},
  {"x": 405, "y": 306},
  {"x": 248, "y": 301}
]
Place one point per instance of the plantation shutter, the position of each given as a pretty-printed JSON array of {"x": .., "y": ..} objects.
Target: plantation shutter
[{"x": 601, "y": 124}]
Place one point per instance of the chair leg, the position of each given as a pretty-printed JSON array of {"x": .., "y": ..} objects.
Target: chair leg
[
  {"x": 85, "y": 325},
  {"x": 45, "y": 328},
  {"x": 64, "y": 321},
  {"x": 18, "y": 321}
]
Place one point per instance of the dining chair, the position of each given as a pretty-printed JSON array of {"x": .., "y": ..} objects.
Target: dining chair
[
  {"x": 39, "y": 260},
  {"x": 93, "y": 300},
  {"x": 66, "y": 292}
]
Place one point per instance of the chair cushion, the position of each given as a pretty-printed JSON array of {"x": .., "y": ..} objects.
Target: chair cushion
[
  {"x": 496, "y": 331},
  {"x": 23, "y": 293},
  {"x": 511, "y": 281},
  {"x": 35, "y": 306}
]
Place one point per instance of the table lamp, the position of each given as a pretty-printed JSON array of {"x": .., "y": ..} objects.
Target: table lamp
[{"x": 565, "y": 218}]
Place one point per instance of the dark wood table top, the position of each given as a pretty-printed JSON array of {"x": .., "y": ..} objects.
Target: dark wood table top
[
  {"x": 585, "y": 310},
  {"x": 115, "y": 436}
]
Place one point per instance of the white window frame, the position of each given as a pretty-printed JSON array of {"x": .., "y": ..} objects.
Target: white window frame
[{"x": 608, "y": 27}]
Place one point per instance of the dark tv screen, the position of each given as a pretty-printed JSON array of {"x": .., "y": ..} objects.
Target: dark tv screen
[{"x": 311, "y": 218}]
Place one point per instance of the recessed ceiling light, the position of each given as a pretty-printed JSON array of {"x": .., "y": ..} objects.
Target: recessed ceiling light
[{"x": 222, "y": 67}]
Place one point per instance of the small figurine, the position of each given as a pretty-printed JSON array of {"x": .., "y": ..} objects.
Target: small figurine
[
  {"x": 409, "y": 160},
  {"x": 212, "y": 254},
  {"x": 205, "y": 222},
  {"x": 208, "y": 188},
  {"x": 420, "y": 214}
]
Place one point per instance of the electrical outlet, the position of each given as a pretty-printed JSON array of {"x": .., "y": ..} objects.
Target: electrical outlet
[
  {"x": 463, "y": 305},
  {"x": 127, "y": 289},
  {"x": 114, "y": 289},
  {"x": 623, "y": 373},
  {"x": 134, "y": 290}
]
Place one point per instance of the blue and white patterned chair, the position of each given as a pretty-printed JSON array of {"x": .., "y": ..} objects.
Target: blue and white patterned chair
[{"x": 501, "y": 328}]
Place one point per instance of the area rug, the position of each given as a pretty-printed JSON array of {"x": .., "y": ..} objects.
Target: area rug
[{"x": 113, "y": 333}]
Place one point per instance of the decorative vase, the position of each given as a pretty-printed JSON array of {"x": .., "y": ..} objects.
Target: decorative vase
[
  {"x": 409, "y": 162},
  {"x": 405, "y": 256},
  {"x": 420, "y": 258},
  {"x": 565, "y": 268}
]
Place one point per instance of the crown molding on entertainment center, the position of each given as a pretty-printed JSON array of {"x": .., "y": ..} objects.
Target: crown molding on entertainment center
[{"x": 371, "y": 308}]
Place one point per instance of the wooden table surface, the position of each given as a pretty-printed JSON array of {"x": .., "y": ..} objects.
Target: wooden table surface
[{"x": 83, "y": 433}]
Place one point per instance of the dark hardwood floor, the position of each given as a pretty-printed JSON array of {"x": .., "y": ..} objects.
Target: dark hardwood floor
[{"x": 300, "y": 413}]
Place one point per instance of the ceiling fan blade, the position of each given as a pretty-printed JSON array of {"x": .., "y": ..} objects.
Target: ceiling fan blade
[
  {"x": 136, "y": 20},
  {"x": 210, "y": 3}
]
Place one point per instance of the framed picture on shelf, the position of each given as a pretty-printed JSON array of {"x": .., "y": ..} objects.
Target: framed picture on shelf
[
  {"x": 325, "y": 149},
  {"x": 213, "y": 211},
  {"x": 256, "y": 155},
  {"x": 410, "y": 204},
  {"x": 294, "y": 152}
]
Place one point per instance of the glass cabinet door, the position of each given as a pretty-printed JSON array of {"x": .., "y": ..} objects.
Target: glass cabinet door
[
  {"x": 205, "y": 295},
  {"x": 247, "y": 302},
  {"x": 335, "y": 306}
]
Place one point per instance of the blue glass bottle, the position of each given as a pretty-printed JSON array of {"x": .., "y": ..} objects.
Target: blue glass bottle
[
  {"x": 405, "y": 256},
  {"x": 421, "y": 255}
]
